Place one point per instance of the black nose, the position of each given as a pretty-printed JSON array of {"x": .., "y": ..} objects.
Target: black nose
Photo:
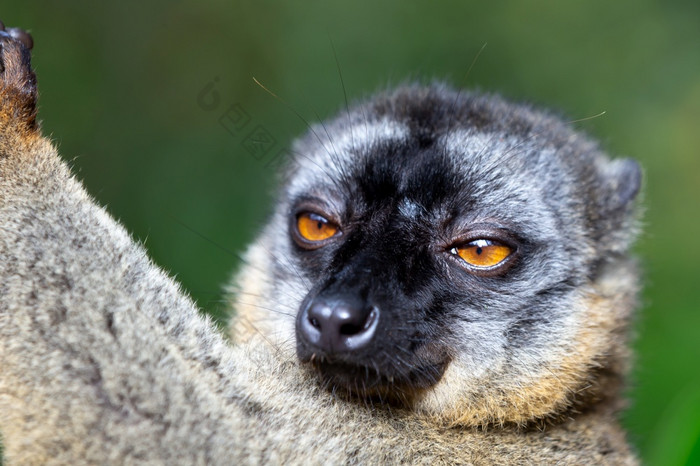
[{"x": 337, "y": 325}]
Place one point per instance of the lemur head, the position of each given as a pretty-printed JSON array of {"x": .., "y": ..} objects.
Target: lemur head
[{"x": 451, "y": 252}]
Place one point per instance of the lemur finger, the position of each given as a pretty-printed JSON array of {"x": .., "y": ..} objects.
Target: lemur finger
[
  {"x": 18, "y": 89},
  {"x": 21, "y": 35}
]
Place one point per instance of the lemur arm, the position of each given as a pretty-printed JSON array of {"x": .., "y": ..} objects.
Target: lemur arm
[{"x": 101, "y": 354}]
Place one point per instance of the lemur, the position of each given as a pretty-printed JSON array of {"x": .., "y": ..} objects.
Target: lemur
[{"x": 445, "y": 279}]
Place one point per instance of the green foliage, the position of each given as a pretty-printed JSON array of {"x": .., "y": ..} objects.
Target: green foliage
[{"x": 120, "y": 83}]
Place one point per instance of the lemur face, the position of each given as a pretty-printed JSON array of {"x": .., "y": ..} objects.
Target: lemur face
[{"x": 431, "y": 238}]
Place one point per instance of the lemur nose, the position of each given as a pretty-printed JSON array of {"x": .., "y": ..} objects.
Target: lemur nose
[{"x": 338, "y": 325}]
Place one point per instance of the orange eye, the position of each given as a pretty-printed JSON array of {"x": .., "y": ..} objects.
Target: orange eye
[
  {"x": 313, "y": 227},
  {"x": 483, "y": 253}
]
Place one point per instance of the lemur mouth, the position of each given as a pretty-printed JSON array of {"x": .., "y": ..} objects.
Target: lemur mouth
[
  {"x": 356, "y": 350},
  {"x": 370, "y": 383}
]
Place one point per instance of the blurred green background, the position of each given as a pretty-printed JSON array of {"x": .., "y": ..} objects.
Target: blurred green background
[{"x": 120, "y": 83}]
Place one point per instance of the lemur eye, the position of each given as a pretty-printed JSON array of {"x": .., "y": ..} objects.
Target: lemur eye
[
  {"x": 313, "y": 227},
  {"x": 483, "y": 253}
]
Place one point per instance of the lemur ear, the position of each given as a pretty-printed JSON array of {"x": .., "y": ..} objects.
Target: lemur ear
[{"x": 620, "y": 182}]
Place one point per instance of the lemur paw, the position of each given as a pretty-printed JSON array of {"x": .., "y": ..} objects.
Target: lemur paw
[{"x": 18, "y": 91}]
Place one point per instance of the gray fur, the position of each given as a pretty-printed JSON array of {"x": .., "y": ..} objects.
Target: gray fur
[{"x": 104, "y": 360}]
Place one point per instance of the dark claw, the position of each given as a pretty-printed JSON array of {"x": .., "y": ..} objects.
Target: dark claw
[
  {"x": 23, "y": 36},
  {"x": 2, "y": 26}
]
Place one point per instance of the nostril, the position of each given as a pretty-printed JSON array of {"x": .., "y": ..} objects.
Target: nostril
[
  {"x": 349, "y": 329},
  {"x": 359, "y": 325},
  {"x": 319, "y": 315},
  {"x": 314, "y": 322}
]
